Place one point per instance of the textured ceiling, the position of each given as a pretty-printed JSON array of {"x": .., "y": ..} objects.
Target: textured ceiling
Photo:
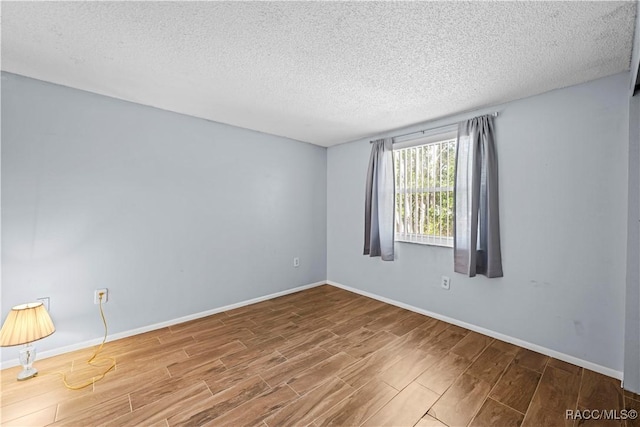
[{"x": 321, "y": 72}]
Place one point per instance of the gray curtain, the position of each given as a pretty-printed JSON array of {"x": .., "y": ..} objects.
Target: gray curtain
[
  {"x": 477, "y": 223},
  {"x": 380, "y": 202}
]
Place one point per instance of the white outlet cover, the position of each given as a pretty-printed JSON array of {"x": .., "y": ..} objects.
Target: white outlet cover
[
  {"x": 96, "y": 296},
  {"x": 45, "y": 301}
]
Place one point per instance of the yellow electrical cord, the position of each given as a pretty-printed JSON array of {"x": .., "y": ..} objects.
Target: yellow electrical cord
[{"x": 93, "y": 359}]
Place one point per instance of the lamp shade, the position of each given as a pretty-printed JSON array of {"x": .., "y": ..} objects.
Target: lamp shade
[{"x": 26, "y": 323}]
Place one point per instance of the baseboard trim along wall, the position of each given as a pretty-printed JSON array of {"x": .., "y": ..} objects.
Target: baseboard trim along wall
[
  {"x": 534, "y": 347},
  {"x": 125, "y": 334}
]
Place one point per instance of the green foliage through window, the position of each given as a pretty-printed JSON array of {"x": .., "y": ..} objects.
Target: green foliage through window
[{"x": 425, "y": 177}]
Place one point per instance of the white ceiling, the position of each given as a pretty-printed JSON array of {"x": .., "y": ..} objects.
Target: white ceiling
[{"x": 320, "y": 72}]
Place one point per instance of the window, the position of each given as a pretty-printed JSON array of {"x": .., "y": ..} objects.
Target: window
[{"x": 425, "y": 176}]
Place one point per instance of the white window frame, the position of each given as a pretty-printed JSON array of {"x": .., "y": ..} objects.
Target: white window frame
[{"x": 412, "y": 185}]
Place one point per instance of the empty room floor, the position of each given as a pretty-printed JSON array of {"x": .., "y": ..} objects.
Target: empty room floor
[{"x": 319, "y": 357}]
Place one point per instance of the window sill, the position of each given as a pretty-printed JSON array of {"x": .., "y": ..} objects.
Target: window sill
[{"x": 428, "y": 241}]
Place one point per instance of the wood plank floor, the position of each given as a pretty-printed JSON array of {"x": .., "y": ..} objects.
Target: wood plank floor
[{"x": 319, "y": 357}]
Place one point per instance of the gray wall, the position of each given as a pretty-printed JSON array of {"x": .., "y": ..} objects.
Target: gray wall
[
  {"x": 563, "y": 193},
  {"x": 632, "y": 312},
  {"x": 175, "y": 215}
]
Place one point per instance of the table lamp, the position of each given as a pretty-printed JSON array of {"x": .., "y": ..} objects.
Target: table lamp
[{"x": 25, "y": 324}]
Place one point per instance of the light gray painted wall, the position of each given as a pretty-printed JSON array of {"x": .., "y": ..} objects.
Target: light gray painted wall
[
  {"x": 175, "y": 215},
  {"x": 632, "y": 311},
  {"x": 563, "y": 193}
]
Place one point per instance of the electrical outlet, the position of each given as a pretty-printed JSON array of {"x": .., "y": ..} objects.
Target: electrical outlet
[
  {"x": 296, "y": 262},
  {"x": 445, "y": 283},
  {"x": 96, "y": 295},
  {"x": 45, "y": 301}
]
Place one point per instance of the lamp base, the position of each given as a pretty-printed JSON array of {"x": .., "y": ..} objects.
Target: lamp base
[
  {"x": 27, "y": 373},
  {"x": 26, "y": 356}
]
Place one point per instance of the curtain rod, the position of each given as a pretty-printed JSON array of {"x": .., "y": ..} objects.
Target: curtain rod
[{"x": 494, "y": 114}]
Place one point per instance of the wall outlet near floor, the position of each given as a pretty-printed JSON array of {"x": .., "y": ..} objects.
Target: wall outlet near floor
[
  {"x": 445, "y": 283},
  {"x": 96, "y": 295},
  {"x": 45, "y": 302},
  {"x": 296, "y": 262}
]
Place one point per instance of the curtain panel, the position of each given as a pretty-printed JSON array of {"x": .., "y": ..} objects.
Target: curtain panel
[
  {"x": 477, "y": 223},
  {"x": 379, "y": 206}
]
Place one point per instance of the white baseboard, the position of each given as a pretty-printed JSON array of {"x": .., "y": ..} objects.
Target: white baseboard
[
  {"x": 131, "y": 332},
  {"x": 516, "y": 341}
]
